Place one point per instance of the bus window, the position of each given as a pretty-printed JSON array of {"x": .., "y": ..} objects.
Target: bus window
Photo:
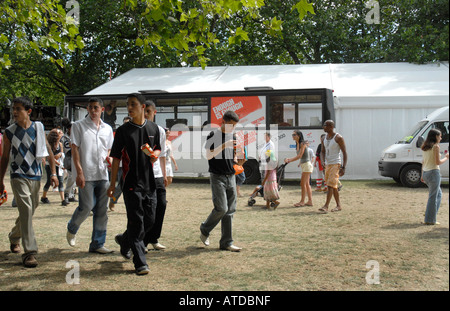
[
  {"x": 195, "y": 115},
  {"x": 283, "y": 114},
  {"x": 309, "y": 115},
  {"x": 192, "y": 112},
  {"x": 164, "y": 113},
  {"x": 296, "y": 111}
]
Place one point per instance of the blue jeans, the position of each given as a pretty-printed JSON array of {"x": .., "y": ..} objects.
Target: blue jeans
[
  {"x": 433, "y": 180},
  {"x": 223, "y": 189},
  {"x": 93, "y": 197},
  {"x": 240, "y": 179}
]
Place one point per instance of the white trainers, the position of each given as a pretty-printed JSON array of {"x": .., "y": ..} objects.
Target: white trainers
[
  {"x": 232, "y": 248},
  {"x": 71, "y": 238},
  {"x": 101, "y": 250},
  {"x": 158, "y": 246},
  {"x": 204, "y": 239}
]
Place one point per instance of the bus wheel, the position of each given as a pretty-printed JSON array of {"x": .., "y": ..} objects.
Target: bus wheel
[
  {"x": 251, "y": 170},
  {"x": 410, "y": 176}
]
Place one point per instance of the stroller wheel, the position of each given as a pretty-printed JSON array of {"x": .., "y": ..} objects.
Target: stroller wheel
[{"x": 251, "y": 202}]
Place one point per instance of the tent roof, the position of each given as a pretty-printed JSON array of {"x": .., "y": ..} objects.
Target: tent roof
[{"x": 347, "y": 80}]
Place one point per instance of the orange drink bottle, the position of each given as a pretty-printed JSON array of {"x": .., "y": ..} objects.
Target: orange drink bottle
[
  {"x": 148, "y": 151},
  {"x": 3, "y": 197}
]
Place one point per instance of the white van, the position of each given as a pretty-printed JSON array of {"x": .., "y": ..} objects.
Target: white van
[{"x": 403, "y": 160}]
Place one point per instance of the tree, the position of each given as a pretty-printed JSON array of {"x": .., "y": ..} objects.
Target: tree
[
  {"x": 44, "y": 47},
  {"x": 46, "y": 53},
  {"x": 37, "y": 25},
  {"x": 409, "y": 31}
]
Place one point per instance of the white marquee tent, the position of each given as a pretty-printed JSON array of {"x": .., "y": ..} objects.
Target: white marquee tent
[{"x": 376, "y": 103}]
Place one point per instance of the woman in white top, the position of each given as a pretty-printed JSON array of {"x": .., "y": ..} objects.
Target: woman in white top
[{"x": 431, "y": 174}]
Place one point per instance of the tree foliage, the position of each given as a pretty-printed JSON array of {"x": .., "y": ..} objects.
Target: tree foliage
[{"x": 46, "y": 53}]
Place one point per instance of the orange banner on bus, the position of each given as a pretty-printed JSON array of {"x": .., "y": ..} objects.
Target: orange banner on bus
[{"x": 243, "y": 106}]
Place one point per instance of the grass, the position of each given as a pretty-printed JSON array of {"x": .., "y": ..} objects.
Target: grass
[{"x": 289, "y": 249}]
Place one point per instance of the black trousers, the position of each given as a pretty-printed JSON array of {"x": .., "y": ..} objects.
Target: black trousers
[
  {"x": 155, "y": 232},
  {"x": 140, "y": 208}
]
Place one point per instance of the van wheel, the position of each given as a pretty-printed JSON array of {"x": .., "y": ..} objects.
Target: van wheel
[
  {"x": 252, "y": 175},
  {"x": 410, "y": 176}
]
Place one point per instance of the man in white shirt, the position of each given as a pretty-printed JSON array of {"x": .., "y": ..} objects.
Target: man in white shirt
[
  {"x": 159, "y": 170},
  {"x": 91, "y": 143}
]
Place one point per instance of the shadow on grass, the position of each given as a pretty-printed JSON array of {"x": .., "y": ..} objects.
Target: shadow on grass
[
  {"x": 436, "y": 232},
  {"x": 403, "y": 226},
  {"x": 59, "y": 257}
]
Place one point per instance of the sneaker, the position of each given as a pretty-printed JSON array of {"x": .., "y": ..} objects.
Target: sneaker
[
  {"x": 126, "y": 253},
  {"x": 232, "y": 248},
  {"x": 158, "y": 246},
  {"x": 101, "y": 250},
  {"x": 65, "y": 202},
  {"x": 142, "y": 270},
  {"x": 431, "y": 223},
  {"x": 71, "y": 238},
  {"x": 45, "y": 200},
  {"x": 204, "y": 239},
  {"x": 30, "y": 261}
]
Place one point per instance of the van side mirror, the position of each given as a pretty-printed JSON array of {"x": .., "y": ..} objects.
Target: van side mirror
[{"x": 420, "y": 141}]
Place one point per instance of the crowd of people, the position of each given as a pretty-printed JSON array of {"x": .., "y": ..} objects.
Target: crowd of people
[{"x": 135, "y": 161}]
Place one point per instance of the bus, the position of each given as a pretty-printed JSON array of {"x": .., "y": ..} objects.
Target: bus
[{"x": 190, "y": 116}]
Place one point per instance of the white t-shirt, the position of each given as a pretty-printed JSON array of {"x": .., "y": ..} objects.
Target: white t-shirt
[
  {"x": 262, "y": 154},
  {"x": 162, "y": 140},
  {"x": 93, "y": 146}
]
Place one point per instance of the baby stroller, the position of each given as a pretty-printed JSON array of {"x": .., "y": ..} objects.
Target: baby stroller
[{"x": 259, "y": 190}]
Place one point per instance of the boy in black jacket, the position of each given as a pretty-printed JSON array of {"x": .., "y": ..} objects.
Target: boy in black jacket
[{"x": 138, "y": 180}]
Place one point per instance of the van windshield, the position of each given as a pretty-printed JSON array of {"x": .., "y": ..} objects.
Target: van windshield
[{"x": 413, "y": 132}]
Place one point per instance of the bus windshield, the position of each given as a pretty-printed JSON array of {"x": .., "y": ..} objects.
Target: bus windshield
[{"x": 413, "y": 132}]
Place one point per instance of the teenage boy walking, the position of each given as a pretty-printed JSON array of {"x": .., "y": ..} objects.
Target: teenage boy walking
[
  {"x": 159, "y": 171},
  {"x": 25, "y": 143},
  {"x": 91, "y": 142},
  {"x": 139, "y": 188},
  {"x": 220, "y": 152}
]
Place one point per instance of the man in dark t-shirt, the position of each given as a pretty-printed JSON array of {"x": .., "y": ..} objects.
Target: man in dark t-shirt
[
  {"x": 220, "y": 151},
  {"x": 138, "y": 180}
]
